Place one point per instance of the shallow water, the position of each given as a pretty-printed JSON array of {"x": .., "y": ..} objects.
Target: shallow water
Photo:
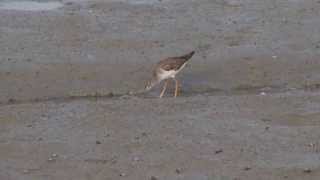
[{"x": 29, "y": 5}]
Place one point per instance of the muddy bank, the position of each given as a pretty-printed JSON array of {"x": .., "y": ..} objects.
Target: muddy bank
[{"x": 200, "y": 137}]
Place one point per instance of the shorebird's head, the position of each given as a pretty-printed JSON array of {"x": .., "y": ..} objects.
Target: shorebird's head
[{"x": 151, "y": 83}]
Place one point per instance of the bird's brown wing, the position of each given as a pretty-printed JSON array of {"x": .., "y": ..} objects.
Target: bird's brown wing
[{"x": 171, "y": 64}]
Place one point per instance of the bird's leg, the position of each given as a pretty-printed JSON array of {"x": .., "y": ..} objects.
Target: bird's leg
[
  {"x": 164, "y": 88},
  {"x": 177, "y": 88}
]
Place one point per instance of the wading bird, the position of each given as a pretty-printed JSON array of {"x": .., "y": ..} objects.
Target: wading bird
[{"x": 167, "y": 69}]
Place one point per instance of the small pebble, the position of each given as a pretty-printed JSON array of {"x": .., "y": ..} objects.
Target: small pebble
[
  {"x": 26, "y": 171},
  {"x": 263, "y": 94},
  {"x": 274, "y": 57},
  {"x": 137, "y": 138},
  {"x": 54, "y": 155},
  {"x": 50, "y": 159},
  {"x": 123, "y": 174},
  {"x": 136, "y": 159},
  {"x": 307, "y": 170},
  {"x": 178, "y": 171},
  {"x": 98, "y": 142},
  {"x": 153, "y": 178},
  {"x": 11, "y": 100},
  {"x": 218, "y": 151}
]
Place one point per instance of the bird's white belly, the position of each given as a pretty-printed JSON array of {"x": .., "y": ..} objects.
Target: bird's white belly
[{"x": 168, "y": 74}]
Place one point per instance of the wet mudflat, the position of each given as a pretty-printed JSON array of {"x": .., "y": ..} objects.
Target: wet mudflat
[
  {"x": 249, "y": 106},
  {"x": 273, "y": 136}
]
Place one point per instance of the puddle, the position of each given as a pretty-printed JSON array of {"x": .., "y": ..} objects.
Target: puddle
[{"x": 30, "y": 5}]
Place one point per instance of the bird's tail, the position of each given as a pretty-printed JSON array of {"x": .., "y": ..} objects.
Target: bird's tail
[{"x": 187, "y": 56}]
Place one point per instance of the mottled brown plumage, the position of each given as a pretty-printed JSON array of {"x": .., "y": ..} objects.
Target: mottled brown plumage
[
  {"x": 171, "y": 64},
  {"x": 166, "y": 69},
  {"x": 174, "y": 63}
]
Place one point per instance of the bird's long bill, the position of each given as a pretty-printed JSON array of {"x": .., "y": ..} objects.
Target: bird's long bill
[{"x": 187, "y": 56}]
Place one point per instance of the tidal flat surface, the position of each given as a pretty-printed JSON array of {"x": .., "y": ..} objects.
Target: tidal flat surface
[{"x": 249, "y": 105}]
